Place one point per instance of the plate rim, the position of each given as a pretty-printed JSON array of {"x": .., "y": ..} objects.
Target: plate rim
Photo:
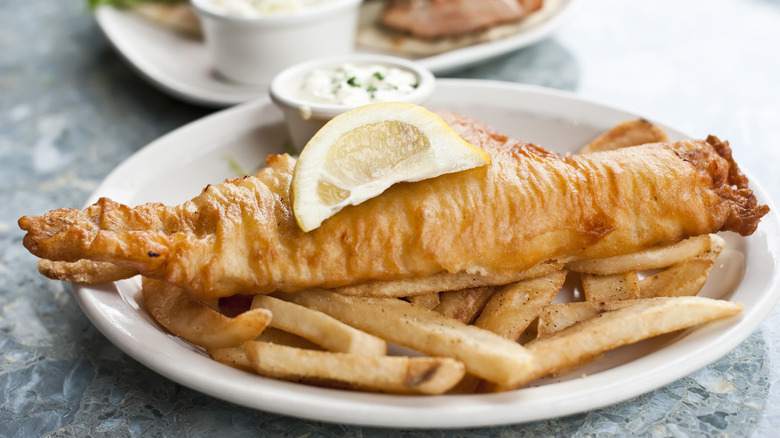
[
  {"x": 348, "y": 411},
  {"x": 153, "y": 75}
]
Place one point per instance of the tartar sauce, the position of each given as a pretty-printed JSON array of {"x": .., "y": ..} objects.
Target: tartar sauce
[
  {"x": 250, "y": 8},
  {"x": 351, "y": 84}
]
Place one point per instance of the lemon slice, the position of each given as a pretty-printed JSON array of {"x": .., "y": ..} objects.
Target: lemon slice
[{"x": 360, "y": 153}]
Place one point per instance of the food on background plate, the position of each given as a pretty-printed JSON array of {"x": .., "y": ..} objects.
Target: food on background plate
[
  {"x": 430, "y": 27},
  {"x": 179, "y": 16},
  {"x": 174, "y": 14},
  {"x": 469, "y": 333},
  {"x": 447, "y": 18},
  {"x": 414, "y": 27}
]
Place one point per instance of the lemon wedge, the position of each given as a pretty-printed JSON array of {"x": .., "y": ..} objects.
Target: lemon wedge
[{"x": 360, "y": 153}]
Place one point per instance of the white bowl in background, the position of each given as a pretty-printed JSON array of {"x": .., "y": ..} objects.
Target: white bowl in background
[
  {"x": 304, "y": 117},
  {"x": 252, "y": 49}
]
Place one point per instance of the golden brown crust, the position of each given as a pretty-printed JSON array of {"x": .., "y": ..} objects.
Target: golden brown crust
[
  {"x": 744, "y": 212},
  {"x": 83, "y": 271},
  {"x": 528, "y": 206}
]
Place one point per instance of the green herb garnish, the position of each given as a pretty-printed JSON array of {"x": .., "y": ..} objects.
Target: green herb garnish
[
  {"x": 236, "y": 168},
  {"x": 379, "y": 76},
  {"x": 288, "y": 147},
  {"x": 352, "y": 82}
]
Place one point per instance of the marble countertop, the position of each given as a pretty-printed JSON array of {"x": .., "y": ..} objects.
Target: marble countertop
[{"x": 71, "y": 110}]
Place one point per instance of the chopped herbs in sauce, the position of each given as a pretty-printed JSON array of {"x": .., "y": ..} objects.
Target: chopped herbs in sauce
[{"x": 352, "y": 85}]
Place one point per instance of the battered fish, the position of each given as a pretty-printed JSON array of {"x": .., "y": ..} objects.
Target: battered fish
[{"x": 529, "y": 205}]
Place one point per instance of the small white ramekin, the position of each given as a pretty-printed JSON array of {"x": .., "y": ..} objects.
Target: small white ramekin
[
  {"x": 304, "y": 118},
  {"x": 251, "y": 50}
]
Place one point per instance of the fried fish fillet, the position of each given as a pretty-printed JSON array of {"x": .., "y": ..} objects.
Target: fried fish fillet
[{"x": 529, "y": 205}]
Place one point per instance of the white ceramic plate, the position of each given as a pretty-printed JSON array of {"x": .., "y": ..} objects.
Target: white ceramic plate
[
  {"x": 180, "y": 66},
  {"x": 176, "y": 167}
]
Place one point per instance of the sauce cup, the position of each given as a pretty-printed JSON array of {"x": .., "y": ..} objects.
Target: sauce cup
[
  {"x": 305, "y": 116},
  {"x": 251, "y": 49}
]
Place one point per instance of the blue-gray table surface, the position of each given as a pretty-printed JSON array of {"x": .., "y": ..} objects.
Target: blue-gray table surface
[{"x": 71, "y": 110}]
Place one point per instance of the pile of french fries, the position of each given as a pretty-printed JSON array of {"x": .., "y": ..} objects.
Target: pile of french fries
[{"x": 461, "y": 333}]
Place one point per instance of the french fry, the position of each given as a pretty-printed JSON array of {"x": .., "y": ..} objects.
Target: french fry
[
  {"x": 513, "y": 307},
  {"x": 633, "y": 321},
  {"x": 427, "y": 301},
  {"x": 656, "y": 257},
  {"x": 464, "y": 305},
  {"x": 443, "y": 282},
  {"x": 560, "y": 316},
  {"x": 276, "y": 336},
  {"x": 394, "y": 374},
  {"x": 614, "y": 287},
  {"x": 633, "y": 132},
  {"x": 469, "y": 384},
  {"x": 198, "y": 323},
  {"x": 83, "y": 271},
  {"x": 484, "y": 353},
  {"x": 234, "y": 357},
  {"x": 319, "y": 328},
  {"x": 461, "y": 358},
  {"x": 685, "y": 278}
]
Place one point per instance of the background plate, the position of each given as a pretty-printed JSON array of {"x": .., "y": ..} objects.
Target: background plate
[
  {"x": 180, "y": 65},
  {"x": 177, "y": 166}
]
